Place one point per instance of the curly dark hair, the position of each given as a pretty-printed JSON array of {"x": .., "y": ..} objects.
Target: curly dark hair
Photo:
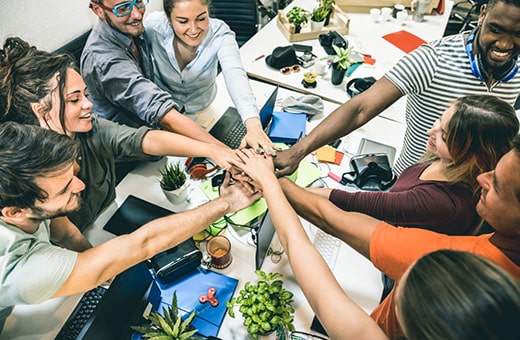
[{"x": 27, "y": 76}]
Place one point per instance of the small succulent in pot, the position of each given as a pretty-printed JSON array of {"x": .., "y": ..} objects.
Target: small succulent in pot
[{"x": 173, "y": 177}]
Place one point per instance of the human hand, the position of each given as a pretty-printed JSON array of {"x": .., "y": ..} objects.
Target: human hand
[
  {"x": 286, "y": 162},
  {"x": 257, "y": 168},
  {"x": 238, "y": 195},
  {"x": 223, "y": 155},
  {"x": 256, "y": 138}
]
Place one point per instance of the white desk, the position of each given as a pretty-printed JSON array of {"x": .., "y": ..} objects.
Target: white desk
[
  {"x": 364, "y": 34},
  {"x": 357, "y": 275}
]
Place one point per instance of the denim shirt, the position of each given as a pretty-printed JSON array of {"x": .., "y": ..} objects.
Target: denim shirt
[
  {"x": 121, "y": 88},
  {"x": 194, "y": 88}
]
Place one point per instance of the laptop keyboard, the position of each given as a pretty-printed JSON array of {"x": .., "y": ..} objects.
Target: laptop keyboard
[
  {"x": 81, "y": 314},
  {"x": 328, "y": 246},
  {"x": 235, "y": 136}
]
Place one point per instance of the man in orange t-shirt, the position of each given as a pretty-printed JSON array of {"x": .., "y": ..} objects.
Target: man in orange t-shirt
[{"x": 393, "y": 250}]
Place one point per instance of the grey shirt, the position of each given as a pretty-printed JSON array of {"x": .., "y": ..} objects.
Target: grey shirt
[
  {"x": 121, "y": 88},
  {"x": 31, "y": 268},
  {"x": 100, "y": 148}
]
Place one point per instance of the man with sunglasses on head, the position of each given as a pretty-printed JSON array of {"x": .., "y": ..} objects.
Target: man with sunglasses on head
[{"x": 116, "y": 65}]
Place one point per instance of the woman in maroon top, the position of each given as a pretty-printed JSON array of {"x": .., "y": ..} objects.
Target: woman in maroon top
[{"x": 441, "y": 191}]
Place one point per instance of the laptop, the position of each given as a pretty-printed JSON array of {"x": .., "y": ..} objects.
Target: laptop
[
  {"x": 262, "y": 239},
  {"x": 230, "y": 129},
  {"x": 131, "y": 294}
]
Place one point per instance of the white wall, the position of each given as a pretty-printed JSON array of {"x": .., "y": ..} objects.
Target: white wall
[{"x": 49, "y": 24}]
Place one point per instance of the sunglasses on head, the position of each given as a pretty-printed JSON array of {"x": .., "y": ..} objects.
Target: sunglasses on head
[
  {"x": 124, "y": 8},
  {"x": 288, "y": 69}
]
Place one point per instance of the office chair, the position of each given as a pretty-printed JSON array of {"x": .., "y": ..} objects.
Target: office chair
[
  {"x": 241, "y": 16},
  {"x": 464, "y": 16}
]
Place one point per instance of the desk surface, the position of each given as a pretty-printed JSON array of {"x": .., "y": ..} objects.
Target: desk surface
[
  {"x": 364, "y": 35},
  {"x": 357, "y": 275}
]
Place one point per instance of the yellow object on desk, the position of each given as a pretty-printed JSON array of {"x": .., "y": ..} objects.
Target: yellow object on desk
[{"x": 328, "y": 154}]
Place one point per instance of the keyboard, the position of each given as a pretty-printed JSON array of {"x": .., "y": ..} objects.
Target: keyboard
[
  {"x": 235, "y": 136},
  {"x": 81, "y": 314},
  {"x": 328, "y": 246}
]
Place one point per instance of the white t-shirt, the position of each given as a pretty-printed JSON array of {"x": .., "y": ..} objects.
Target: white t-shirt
[{"x": 31, "y": 268}]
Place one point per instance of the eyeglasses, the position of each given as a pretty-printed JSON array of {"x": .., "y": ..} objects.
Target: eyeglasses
[
  {"x": 124, "y": 8},
  {"x": 288, "y": 69}
]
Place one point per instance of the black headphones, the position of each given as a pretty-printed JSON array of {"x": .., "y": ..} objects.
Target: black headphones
[{"x": 503, "y": 73}]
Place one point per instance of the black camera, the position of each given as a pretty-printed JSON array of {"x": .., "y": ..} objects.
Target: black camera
[
  {"x": 370, "y": 172},
  {"x": 332, "y": 38}
]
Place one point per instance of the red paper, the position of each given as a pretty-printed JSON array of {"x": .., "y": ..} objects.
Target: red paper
[
  {"x": 404, "y": 40},
  {"x": 440, "y": 7}
]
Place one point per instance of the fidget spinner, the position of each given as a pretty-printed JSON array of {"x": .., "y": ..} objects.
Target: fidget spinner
[{"x": 210, "y": 297}]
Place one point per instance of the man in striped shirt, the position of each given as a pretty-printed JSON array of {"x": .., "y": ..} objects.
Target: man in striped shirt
[{"x": 484, "y": 61}]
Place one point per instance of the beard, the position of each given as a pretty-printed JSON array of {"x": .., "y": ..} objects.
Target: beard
[
  {"x": 39, "y": 214},
  {"x": 114, "y": 26}
]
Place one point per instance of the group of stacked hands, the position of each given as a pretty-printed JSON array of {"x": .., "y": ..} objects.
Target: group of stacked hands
[{"x": 59, "y": 182}]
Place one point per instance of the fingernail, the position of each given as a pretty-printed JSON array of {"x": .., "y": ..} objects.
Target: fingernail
[
  {"x": 272, "y": 153},
  {"x": 258, "y": 151}
]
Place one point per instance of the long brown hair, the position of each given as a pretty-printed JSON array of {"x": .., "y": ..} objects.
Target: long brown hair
[
  {"x": 26, "y": 77},
  {"x": 479, "y": 133}
]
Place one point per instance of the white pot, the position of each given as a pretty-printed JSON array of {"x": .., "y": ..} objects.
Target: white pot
[
  {"x": 178, "y": 195},
  {"x": 317, "y": 25}
]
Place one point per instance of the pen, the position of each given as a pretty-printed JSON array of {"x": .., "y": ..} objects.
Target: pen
[{"x": 259, "y": 57}]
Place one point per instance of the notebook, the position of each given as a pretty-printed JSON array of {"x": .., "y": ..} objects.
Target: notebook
[{"x": 230, "y": 129}]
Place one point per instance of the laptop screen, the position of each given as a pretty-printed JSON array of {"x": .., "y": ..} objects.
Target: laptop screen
[
  {"x": 263, "y": 238},
  {"x": 123, "y": 305},
  {"x": 266, "y": 112}
]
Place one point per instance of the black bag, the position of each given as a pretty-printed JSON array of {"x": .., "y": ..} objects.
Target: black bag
[
  {"x": 332, "y": 38},
  {"x": 177, "y": 261},
  {"x": 371, "y": 172}
]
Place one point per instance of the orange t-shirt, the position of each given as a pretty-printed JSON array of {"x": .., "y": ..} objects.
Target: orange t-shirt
[{"x": 412, "y": 244}]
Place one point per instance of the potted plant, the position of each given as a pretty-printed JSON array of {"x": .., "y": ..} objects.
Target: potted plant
[
  {"x": 298, "y": 17},
  {"x": 173, "y": 183},
  {"x": 318, "y": 16},
  {"x": 168, "y": 326},
  {"x": 265, "y": 306},
  {"x": 329, "y": 5},
  {"x": 340, "y": 64}
]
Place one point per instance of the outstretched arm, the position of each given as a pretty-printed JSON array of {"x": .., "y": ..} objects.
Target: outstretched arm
[
  {"x": 345, "y": 119},
  {"x": 175, "y": 121},
  {"x": 165, "y": 143},
  {"x": 353, "y": 228},
  {"x": 340, "y": 316},
  {"x": 103, "y": 262}
]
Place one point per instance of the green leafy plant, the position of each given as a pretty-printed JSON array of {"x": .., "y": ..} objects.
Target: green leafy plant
[
  {"x": 319, "y": 13},
  {"x": 265, "y": 306},
  {"x": 173, "y": 177},
  {"x": 298, "y": 17},
  {"x": 328, "y": 4},
  {"x": 170, "y": 326},
  {"x": 341, "y": 60}
]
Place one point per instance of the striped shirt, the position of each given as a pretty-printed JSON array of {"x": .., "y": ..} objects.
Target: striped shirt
[{"x": 433, "y": 76}]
